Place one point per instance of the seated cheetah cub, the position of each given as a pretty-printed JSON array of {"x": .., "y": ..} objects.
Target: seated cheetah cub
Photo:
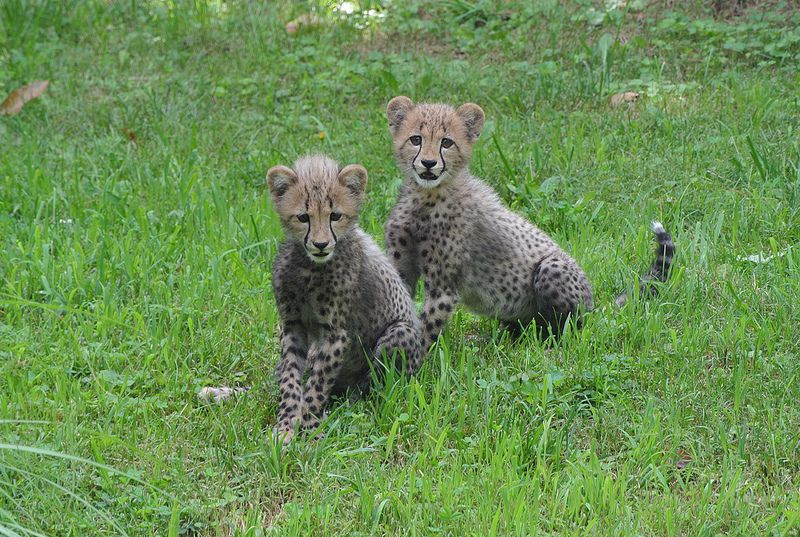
[
  {"x": 452, "y": 229},
  {"x": 337, "y": 293}
]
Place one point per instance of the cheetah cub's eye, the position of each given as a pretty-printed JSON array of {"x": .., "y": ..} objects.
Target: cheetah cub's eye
[
  {"x": 415, "y": 140},
  {"x": 447, "y": 143},
  {"x": 303, "y": 218},
  {"x": 336, "y": 216}
]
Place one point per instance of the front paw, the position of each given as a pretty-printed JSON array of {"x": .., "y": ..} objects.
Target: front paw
[
  {"x": 310, "y": 421},
  {"x": 283, "y": 435},
  {"x": 286, "y": 430}
]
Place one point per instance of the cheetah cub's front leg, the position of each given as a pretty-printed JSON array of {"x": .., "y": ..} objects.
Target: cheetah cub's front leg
[
  {"x": 290, "y": 371},
  {"x": 327, "y": 363},
  {"x": 401, "y": 249},
  {"x": 440, "y": 300}
]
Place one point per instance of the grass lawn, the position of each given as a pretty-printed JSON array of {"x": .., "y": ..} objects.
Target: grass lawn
[{"x": 136, "y": 240}]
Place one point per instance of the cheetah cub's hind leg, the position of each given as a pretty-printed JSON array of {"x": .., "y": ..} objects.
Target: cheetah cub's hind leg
[
  {"x": 399, "y": 342},
  {"x": 562, "y": 291},
  {"x": 398, "y": 348}
]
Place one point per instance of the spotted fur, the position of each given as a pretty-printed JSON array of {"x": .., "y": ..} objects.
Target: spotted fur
[
  {"x": 451, "y": 229},
  {"x": 343, "y": 306}
]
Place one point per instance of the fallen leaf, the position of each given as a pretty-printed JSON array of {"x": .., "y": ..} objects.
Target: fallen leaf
[
  {"x": 626, "y": 97},
  {"x": 131, "y": 136},
  {"x": 306, "y": 19},
  {"x": 20, "y": 96},
  {"x": 684, "y": 458}
]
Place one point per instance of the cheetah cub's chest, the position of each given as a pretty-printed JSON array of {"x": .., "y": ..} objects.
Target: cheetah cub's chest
[
  {"x": 474, "y": 255},
  {"x": 435, "y": 228},
  {"x": 323, "y": 294}
]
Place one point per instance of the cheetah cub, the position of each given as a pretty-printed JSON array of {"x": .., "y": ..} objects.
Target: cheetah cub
[
  {"x": 452, "y": 229},
  {"x": 337, "y": 293}
]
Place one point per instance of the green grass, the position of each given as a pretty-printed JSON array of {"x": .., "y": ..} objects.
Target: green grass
[{"x": 136, "y": 241}]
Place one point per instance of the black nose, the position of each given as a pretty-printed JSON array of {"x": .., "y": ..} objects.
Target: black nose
[
  {"x": 429, "y": 163},
  {"x": 320, "y": 245}
]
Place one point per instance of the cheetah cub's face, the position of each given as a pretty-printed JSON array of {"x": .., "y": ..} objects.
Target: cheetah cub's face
[
  {"x": 433, "y": 142},
  {"x": 317, "y": 202}
]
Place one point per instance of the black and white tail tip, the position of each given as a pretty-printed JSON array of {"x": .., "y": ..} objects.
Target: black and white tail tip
[{"x": 661, "y": 267}]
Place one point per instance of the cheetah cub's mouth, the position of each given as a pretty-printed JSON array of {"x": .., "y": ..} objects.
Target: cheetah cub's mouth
[
  {"x": 320, "y": 257},
  {"x": 428, "y": 179}
]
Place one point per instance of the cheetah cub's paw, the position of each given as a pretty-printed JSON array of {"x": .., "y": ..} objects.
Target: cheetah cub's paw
[
  {"x": 312, "y": 422},
  {"x": 285, "y": 432},
  {"x": 283, "y": 435}
]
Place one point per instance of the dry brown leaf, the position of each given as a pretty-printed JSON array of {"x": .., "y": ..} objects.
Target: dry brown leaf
[
  {"x": 306, "y": 19},
  {"x": 20, "y": 96},
  {"x": 131, "y": 136},
  {"x": 684, "y": 458},
  {"x": 626, "y": 97}
]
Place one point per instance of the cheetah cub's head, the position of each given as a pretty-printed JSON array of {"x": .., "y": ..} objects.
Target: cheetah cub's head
[
  {"x": 317, "y": 201},
  {"x": 433, "y": 142}
]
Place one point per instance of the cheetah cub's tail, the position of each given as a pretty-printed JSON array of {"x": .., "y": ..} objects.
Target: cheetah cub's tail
[{"x": 660, "y": 269}]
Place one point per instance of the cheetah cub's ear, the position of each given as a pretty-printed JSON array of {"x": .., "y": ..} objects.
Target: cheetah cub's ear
[
  {"x": 473, "y": 117},
  {"x": 354, "y": 178},
  {"x": 280, "y": 179},
  {"x": 397, "y": 110}
]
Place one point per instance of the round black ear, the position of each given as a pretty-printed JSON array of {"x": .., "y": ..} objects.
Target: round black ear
[
  {"x": 397, "y": 110},
  {"x": 473, "y": 118}
]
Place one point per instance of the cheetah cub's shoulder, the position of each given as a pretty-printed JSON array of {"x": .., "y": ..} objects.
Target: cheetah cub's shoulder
[
  {"x": 451, "y": 229},
  {"x": 340, "y": 300}
]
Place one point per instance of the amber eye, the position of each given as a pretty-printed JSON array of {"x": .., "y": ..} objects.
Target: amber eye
[
  {"x": 415, "y": 140},
  {"x": 447, "y": 143},
  {"x": 336, "y": 216},
  {"x": 303, "y": 218}
]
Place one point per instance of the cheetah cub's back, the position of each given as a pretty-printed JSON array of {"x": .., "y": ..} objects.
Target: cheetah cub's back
[
  {"x": 451, "y": 229},
  {"x": 341, "y": 302}
]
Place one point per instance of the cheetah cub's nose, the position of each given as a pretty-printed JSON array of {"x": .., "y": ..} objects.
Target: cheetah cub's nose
[
  {"x": 429, "y": 163},
  {"x": 320, "y": 245}
]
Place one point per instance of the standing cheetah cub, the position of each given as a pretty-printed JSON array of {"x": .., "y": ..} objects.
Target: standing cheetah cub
[
  {"x": 337, "y": 293},
  {"x": 452, "y": 229}
]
